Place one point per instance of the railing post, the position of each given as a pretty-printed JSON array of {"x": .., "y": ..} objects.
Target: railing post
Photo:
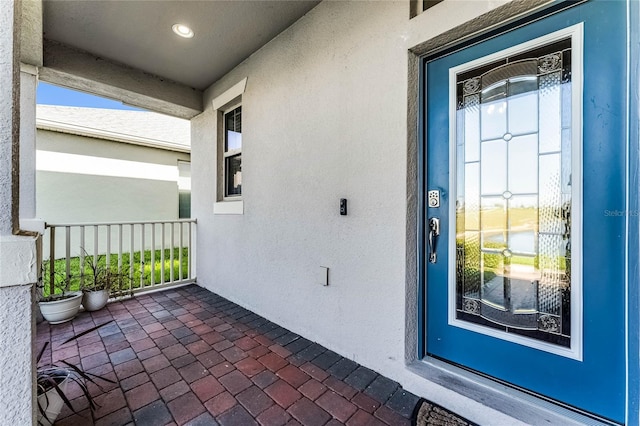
[
  {"x": 171, "y": 268},
  {"x": 181, "y": 225},
  {"x": 95, "y": 246},
  {"x": 190, "y": 258},
  {"x": 67, "y": 256},
  {"x": 82, "y": 253},
  {"x": 153, "y": 254},
  {"x": 162, "y": 257},
  {"x": 142, "y": 250},
  {"x": 52, "y": 260},
  {"x": 108, "y": 257},
  {"x": 131, "y": 257},
  {"x": 119, "y": 249}
]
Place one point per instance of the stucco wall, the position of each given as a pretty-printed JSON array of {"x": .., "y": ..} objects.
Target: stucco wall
[
  {"x": 16, "y": 360},
  {"x": 324, "y": 118}
]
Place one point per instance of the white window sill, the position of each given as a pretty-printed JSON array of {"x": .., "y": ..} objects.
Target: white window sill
[{"x": 228, "y": 207}]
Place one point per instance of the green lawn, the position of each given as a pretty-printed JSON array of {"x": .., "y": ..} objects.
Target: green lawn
[{"x": 75, "y": 273}]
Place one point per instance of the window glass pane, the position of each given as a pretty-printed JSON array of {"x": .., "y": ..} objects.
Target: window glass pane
[
  {"x": 233, "y": 129},
  {"x": 233, "y": 168},
  {"x": 234, "y": 140},
  {"x": 493, "y": 167},
  {"x": 523, "y": 105},
  {"x": 493, "y": 111},
  {"x": 521, "y": 169}
]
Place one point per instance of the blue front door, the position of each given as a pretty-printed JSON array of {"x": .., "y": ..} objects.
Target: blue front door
[{"x": 525, "y": 144}]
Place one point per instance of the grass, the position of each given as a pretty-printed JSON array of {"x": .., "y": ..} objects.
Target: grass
[{"x": 75, "y": 270}]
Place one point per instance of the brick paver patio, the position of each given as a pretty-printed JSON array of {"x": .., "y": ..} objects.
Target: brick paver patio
[{"x": 189, "y": 356}]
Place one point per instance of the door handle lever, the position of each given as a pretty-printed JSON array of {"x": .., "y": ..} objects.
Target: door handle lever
[{"x": 434, "y": 233}]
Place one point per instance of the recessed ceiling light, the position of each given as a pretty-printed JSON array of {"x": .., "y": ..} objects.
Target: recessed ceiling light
[{"x": 182, "y": 30}]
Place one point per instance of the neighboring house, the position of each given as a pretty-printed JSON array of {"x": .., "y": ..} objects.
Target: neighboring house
[
  {"x": 487, "y": 151},
  {"x": 104, "y": 165}
]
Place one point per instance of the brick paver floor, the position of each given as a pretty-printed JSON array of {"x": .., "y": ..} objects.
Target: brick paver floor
[{"x": 187, "y": 356}]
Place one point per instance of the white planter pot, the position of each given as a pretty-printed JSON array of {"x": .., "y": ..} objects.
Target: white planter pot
[
  {"x": 59, "y": 311},
  {"x": 94, "y": 300},
  {"x": 51, "y": 403}
]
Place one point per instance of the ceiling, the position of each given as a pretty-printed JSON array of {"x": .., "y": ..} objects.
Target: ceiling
[{"x": 138, "y": 33}]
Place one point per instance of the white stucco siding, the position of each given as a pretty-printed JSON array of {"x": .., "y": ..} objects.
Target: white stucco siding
[{"x": 324, "y": 118}]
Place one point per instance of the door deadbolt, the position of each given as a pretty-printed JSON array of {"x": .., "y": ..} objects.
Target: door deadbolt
[{"x": 433, "y": 198}]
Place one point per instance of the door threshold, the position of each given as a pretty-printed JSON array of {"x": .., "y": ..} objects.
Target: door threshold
[{"x": 520, "y": 405}]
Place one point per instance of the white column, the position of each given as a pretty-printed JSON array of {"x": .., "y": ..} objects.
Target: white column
[
  {"x": 28, "y": 87},
  {"x": 9, "y": 114},
  {"x": 17, "y": 253}
]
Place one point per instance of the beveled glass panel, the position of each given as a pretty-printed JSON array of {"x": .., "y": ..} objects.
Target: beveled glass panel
[
  {"x": 493, "y": 289},
  {"x": 552, "y": 261},
  {"x": 550, "y": 217},
  {"x": 523, "y": 171},
  {"x": 550, "y": 112},
  {"x": 565, "y": 172},
  {"x": 566, "y": 101},
  {"x": 493, "y": 167},
  {"x": 524, "y": 285},
  {"x": 493, "y": 112},
  {"x": 460, "y": 125},
  {"x": 471, "y": 273},
  {"x": 522, "y": 216},
  {"x": 472, "y": 196},
  {"x": 460, "y": 182},
  {"x": 522, "y": 105},
  {"x": 493, "y": 218},
  {"x": 472, "y": 127}
]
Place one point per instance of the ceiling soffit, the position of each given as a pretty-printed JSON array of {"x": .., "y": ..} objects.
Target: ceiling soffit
[{"x": 138, "y": 34}]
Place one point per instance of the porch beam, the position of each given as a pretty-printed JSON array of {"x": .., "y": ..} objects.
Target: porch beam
[
  {"x": 31, "y": 34},
  {"x": 77, "y": 69}
]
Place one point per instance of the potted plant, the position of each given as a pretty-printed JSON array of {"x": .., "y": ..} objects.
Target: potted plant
[
  {"x": 53, "y": 381},
  {"x": 100, "y": 283},
  {"x": 61, "y": 307}
]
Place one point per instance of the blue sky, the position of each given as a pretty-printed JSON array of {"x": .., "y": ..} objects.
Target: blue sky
[{"x": 49, "y": 94}]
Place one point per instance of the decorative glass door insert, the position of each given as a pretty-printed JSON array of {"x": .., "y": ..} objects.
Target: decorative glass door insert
[{"x": 513, "y": 171}]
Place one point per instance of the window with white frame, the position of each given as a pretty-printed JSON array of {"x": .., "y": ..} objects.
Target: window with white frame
[
  {"x": 232, "y": 153},
  {"x": 228, "y": 109}
]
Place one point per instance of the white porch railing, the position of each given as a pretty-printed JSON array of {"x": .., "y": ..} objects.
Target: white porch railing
[{"x": 152, "y": 254}]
